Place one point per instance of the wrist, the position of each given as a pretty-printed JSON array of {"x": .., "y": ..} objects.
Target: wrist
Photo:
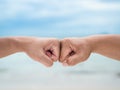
[
  {"x": 19, "y": 43},
  {"x": 97, "y": 42},
  {"x": 92, "y": 43},
  {"x": 15, "y": 44}
]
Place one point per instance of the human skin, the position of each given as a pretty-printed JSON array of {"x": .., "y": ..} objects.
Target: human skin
[
  {"x": 43, "y": 50},
  {"x": 76, "y": 50},
  {"x": 69, "y": 51}
]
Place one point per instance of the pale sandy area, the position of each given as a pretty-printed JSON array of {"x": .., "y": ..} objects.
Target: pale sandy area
[
  {"x": 60, "y": 81},
  {"x": 99, "y": 73}
]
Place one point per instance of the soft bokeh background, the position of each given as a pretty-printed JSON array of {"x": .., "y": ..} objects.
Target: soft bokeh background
[{"x": 60, "y": 19}]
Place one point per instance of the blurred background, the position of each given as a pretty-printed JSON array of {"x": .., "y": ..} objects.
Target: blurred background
[{"x": 60, "y": 19}]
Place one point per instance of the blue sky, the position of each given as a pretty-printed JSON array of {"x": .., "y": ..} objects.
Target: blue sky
[{"x": 59, "y": 18}]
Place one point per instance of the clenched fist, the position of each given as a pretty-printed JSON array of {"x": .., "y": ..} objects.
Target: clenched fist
[
  {"x": 69, "y": 51},
  {"x": 43, "y": 50},
  {"x": 74, "y": 51}
]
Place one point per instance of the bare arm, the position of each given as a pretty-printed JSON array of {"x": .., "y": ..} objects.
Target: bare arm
[
  {"x": 44, "y": 50},
  {"x": 7, "y": 47},
  {"x": 107, "y": 45},
  {"x": 76, "y": 50}
]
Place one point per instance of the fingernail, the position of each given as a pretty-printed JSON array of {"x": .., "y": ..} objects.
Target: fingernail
[{"x": 65, "y": 64}]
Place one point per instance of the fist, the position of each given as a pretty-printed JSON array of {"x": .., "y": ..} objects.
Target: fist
[
  {"x": 74, "y": 51},
  {"x": 43, "y": 50}
]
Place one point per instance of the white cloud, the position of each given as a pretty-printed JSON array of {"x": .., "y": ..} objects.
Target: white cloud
[
  {"x": 101, "y": 6},
  {"x": 53, "y": 8},
  {"x": 90, "y": 21}
]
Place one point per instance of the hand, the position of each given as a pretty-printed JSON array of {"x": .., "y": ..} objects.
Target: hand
[
  {"x": 44, "y": 50},
  {"x": 74, "y": 51}
]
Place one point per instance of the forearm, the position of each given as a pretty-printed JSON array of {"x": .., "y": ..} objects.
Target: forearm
[
  {"x": 10, "y": 45},
  {"x": 107, "y": 45}
]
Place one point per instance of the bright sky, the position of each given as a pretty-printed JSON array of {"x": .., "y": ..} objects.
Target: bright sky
[{"x": 69, "y": 16}]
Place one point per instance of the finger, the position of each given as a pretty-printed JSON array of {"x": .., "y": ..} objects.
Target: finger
[
  {"x": 53, "y": 49},
  {"x": 45, "y": 60},
  {"x": 56, "y": 51},
  {"x": 41, "y": 58},
  {"x": 65, "y": 63},
  {"x": 73, "y": 60},
  {"x": 64, "y": 52}
]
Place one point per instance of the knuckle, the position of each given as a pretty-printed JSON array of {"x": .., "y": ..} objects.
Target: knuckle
[
  {"x": 71, "y": 63},
  {"x": 61, "y": 60},
  {"x": 55, "y": 39},
  {"x": 49, "y": 64},
  {"x": 66, "y": 39},
  {"x": 65, "y": 42}
]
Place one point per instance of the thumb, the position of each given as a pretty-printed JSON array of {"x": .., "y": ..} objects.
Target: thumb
[
  {"x": 44, "y": 59},
  {"x": 73, "y": 60},
  {"x": 52, "y": 50},
  {"x": 64, "y": 50}
]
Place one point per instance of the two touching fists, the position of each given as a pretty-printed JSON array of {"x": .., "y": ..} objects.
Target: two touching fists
[{"x": 69, "y": 51}]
